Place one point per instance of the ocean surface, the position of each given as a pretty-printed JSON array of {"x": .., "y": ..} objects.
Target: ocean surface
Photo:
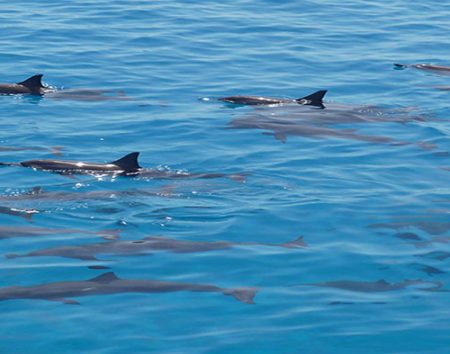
[{"x": 366, "y": 183}]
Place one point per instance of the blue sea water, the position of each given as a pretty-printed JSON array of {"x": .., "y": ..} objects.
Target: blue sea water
[{"x": 358, "y": 204}]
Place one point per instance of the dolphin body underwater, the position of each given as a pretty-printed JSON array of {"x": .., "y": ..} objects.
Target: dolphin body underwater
[
  {"x": 438, "y": 69},
  {"x": 109, "y": 283},
  {"x": 379, "y": 286},
  {"x": 147, "y": 245},
  {"x": 125, "y": 166},
  {"x": 312, "y": 118}
]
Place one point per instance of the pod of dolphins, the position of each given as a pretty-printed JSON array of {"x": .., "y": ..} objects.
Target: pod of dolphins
[{"x": 304, "y": 116}]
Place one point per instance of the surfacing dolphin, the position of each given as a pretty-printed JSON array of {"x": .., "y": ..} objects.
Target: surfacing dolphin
[
  {"x": 146, "y": 245},
  {"x": 378, "y": 286},
  {"x": 125, "y": 166},
  {"x": 109, "y": 283},
  {"x": 438, "y": 69},
  {"x": 314, "y": 99},
  {"x": 27, "y": 214},
  {"x": 32, "y": 86}
]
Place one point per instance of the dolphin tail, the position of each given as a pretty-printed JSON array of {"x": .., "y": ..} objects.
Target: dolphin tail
[
  {"x": 33, "y": 83},
  {"x": 245, "y": 295},
  {"x": 297, "y": 243},
  {"x": 400, "y": 66},
  {"x": 314, "y": 99},
  {"x": 12, "y": 255},
  {"x": 238, "y": 177},
  {"x": 56, "y": 150}
]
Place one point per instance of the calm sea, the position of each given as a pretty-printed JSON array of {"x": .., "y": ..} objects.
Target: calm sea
[{"x": 368, "y": 210}]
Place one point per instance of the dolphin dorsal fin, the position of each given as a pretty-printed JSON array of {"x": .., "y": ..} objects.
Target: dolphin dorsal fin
[
  {"x": 128, "y": 162},
  {"x": 105, "y": 278},
  {"x": 33, "y": 83},
  {"x": 314, "y": 99}
]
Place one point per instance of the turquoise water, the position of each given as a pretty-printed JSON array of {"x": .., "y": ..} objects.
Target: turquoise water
[{"x": 367, "y": 210}]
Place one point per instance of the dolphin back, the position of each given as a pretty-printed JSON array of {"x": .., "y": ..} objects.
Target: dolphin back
[{"x": 33, "y": 83}]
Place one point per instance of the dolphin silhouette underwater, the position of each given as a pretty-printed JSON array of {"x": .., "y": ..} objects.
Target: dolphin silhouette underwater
[
  {"x": 56, "y": 150},
  {"x": 38, "y": 194},
  {"x": 438, "y": 69},
  {"x": 24, "y": 231},
  {"x": 146, "y": 245},
  {"x": 377, "y": 286},
  {"x": 311, "y": 121},
  {"x": 125, "y": 166},
  {"x": 315, "y": 99},
  {"x": 109, "y": 283}
]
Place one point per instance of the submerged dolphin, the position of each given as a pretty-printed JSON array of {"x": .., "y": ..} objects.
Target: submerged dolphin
[
  {"x": 377, "y": 286},
  {"x": 32, "y": 85},
  {"x": 146, "y": 245},
  {"x": 39, "y": 194},
  {"x": 56, "y": 150},
  {"x": 308, "y": 121},
  {"x": 281, "y": 129},
  {"x": 430, "y": 227},
  {"x": 88, "y": 95},
  {"x": 439, "y": 69},
  {"x": 314, "y": 99},
  {"x": 15, "y": 231},
  {"x": 109, "y": 283}
]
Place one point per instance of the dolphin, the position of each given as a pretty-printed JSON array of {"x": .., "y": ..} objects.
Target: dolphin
[
  {"x": 438, "y": 69},
  {"x": 146, "y": 245},
  {"x": 377, "y": 286},
  {"x": 15, "y": 231},
  {"x": 125, "y": 166},
  {"x": 39, "y": 194},
  {"x": 280, "y": 129},
  {"x": 309, "y": 121},
  {"x": 56, "y": 150},
  {"x": 109, "y": 283},
  {"x": 32, "y": 86},
  {"x": 429, "y": 270},
  {"x": 438, "y": 255},
  {"x": 88, "y": 95},
  {"x": 27, "y": 214},
  {"x": 314, "y": 99},
  {"x": 430, "y": 227}
]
